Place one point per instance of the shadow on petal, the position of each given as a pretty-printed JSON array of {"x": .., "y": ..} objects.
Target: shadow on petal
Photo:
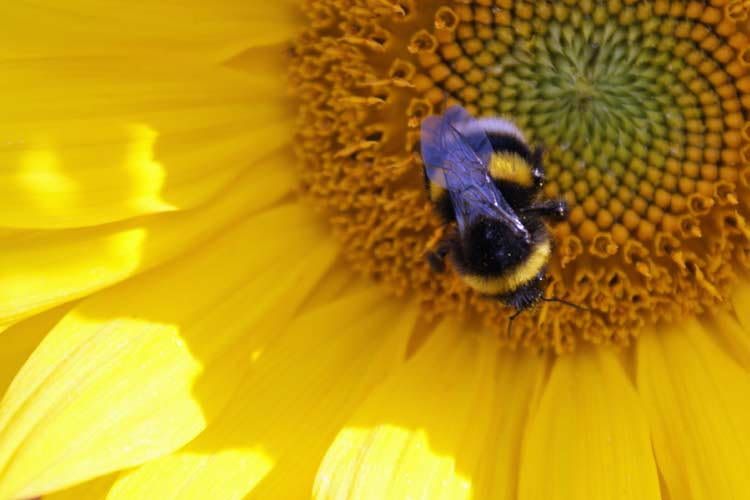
[
  {"x": 146, "y": 364},
  {"x": 298, "y": 388},
  {"x": 433, "y": 429}
]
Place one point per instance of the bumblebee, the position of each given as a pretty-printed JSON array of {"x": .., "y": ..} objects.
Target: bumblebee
[{"x": 481, "y": 175}]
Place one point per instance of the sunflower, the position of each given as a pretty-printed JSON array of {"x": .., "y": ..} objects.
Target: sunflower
[{"x": 213, "y": 232}]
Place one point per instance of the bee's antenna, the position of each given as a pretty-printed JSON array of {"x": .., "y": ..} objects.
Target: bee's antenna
[
  {"x": 544, "y": 299},
  {"x": 561, "y": 301}
]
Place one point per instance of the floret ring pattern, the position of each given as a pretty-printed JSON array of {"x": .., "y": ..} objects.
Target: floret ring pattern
[{"x": 642, "y": 108}]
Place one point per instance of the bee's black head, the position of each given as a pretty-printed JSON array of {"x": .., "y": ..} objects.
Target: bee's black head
[{"x": 526, "y": 295}]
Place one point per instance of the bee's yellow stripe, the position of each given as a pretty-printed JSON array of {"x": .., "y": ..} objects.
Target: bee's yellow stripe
[
  {"x": 511, "y": 168},
  {"x": 513, "y": 278}
]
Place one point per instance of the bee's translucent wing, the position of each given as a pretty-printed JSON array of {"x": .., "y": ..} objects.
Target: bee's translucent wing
[
  {"x": 435, "y": 137},
  {"x": 471, "y": 189},
  {"x": 459, "y": 162}
]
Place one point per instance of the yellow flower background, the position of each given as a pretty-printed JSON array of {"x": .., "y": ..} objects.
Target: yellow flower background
[{"x": 176, "y": 322}]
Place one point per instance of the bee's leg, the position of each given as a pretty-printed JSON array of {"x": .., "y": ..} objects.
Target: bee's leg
[
  {"x": 549, "y": 209},
  {"x": 436, "y": 258},
  {"x": 510, "y": 321}
]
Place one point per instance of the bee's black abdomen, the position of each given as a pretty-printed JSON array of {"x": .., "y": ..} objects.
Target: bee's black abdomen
[
  {"x": 505, "y": 143},
  {"x": 497, "y": 263},
  {"x": 517, "y": 196},
  {"x": 488, "y": 249}
]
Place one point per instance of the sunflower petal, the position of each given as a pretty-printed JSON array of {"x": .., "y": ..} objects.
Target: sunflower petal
[
  {"x": 123, "y": 377},
  {"x": 734, "y": 329},
  {"x": 589, "y": 437},
  {"x": 90, "y": 490},
  {"x": 300, "y": 388},
  {"x": 20, "y": 341},
  {"x": 734, "y": 336},
  {"x": 86, "y": 146},
  {"x": 519, "y": 379},
  {"x": 46, "y": 268},
  {"x": 698, "y": 402},
  {"x": 422, "y": 433},
  {"x": 142, "y": 28}
]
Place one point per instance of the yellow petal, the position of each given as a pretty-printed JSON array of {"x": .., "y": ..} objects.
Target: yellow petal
[
  {"x": 589, "y": 437},
  {"x": 732, "y": 328},
  {"x": 90, "y": 27},
  {"x": 733, "y": 335},
  {"x": 124, "y": 377},
  {"x": 19, "y": 341},
  {"x": 45, "y": 268},
  {"x": 90, "y": 490},
  {"x": 518, "y": 380},
  {"x": 99, "y": 141},
  {"x": 698, "y": 402},
  {"x": 225, "y": 474},
  {"x": 299, "y": 389},
  {"x": 423, "y": 432}
]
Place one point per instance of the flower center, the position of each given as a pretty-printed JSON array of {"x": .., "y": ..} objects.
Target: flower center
[{"x": 641, "y": 107}]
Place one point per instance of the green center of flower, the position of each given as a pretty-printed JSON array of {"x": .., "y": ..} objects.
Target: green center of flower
[{"x": 641, "y": 107}]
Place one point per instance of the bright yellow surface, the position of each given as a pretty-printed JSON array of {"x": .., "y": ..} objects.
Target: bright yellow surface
[
  {"x": 590, "y": 436},
  {"x": 141, "y": 363},
  {"x": 697, "y": 401}
]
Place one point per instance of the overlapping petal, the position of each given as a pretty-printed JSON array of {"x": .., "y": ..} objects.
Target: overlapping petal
[
  {"x": 117, "y": 109},
  {"x": 19, "y": 341},
  {"x": 192, "y": 28},
  {"x": 137, "y": 371},
  {"x": 518, "y": 383},
  {"x": 426, "y": 430},
  {"x": 96, "y": 141},
  {"x": 697, "y": 400},
  {"x": 589, "y": 438},
  {"x": 46, "y": 268},
  {"x": 733, "y": 327},
  {"x": 94, "y": 489},
  {"x": 733, "y": 335},
  {"x": 299, "y": 389}
]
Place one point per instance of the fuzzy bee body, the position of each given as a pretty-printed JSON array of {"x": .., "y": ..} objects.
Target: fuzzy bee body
[{"x": 481, "y": 175}]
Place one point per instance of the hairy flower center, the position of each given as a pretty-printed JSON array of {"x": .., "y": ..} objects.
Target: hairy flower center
[{"x": 641, "y": 106}]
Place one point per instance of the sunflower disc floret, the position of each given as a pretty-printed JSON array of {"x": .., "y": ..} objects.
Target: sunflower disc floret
[{"x": 642, "y": 107}]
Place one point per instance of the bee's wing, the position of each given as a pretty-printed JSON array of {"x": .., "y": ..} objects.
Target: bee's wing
[
  {"x": 459, "y": 163},
  {"x": 472, "y": 191},
  {"x": 437, "y": 135}
]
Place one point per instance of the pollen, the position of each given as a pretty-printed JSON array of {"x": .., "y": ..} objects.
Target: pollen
[{"x": 641, "y": 106}]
